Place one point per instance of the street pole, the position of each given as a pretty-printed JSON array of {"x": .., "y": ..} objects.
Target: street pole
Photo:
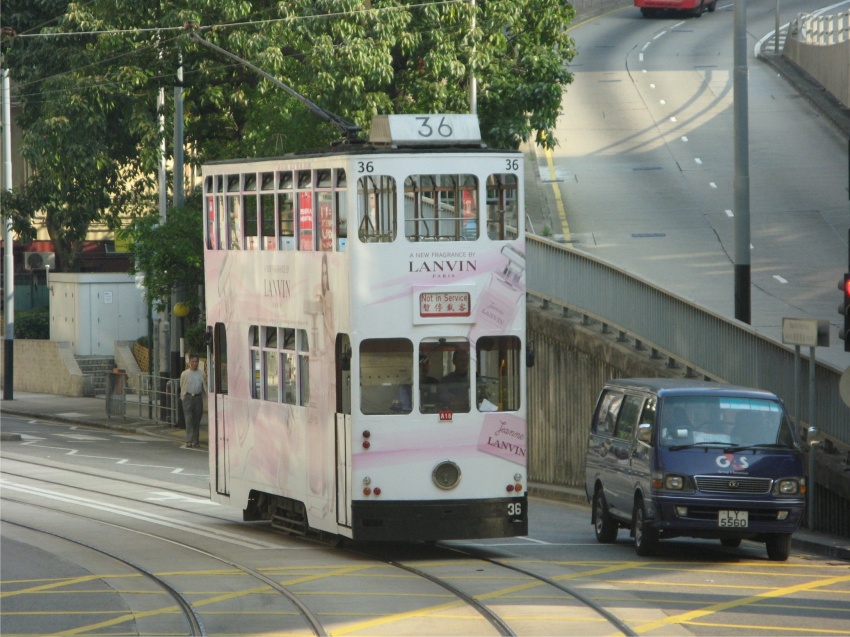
[
  {"x": 473, "y": 83},
  {"x": 178, "y": 199},
  {"x": 9, "y": 257},
  {"x": 742, "y": 167}
]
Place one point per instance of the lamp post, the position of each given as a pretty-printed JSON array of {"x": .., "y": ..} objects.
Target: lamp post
[{"x": 742, "y": 166}]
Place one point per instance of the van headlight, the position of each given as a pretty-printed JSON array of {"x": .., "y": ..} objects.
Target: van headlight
[
  {"x": 674, "y": 482},
  {"x": 787, "y": 486}
]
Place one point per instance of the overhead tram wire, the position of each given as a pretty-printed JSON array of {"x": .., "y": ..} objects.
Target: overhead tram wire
[{"x": 347, "y": 129}]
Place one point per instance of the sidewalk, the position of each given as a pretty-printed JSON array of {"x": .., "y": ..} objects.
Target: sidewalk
[{"x": 92, "y": 412}]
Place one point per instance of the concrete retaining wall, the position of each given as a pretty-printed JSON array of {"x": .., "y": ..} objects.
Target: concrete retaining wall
[
  {"x": 46, "y": 367},
  {"x": 829, "y": 65},
  {"x": 573, "y": 362}
]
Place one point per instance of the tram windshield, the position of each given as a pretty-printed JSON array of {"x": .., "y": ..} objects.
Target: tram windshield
[{"x": 448, "y": 376}]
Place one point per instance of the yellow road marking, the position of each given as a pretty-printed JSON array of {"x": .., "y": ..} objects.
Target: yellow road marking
[
  {"x": 435, "y": 610},
  {"x": 791, "y": 629},
  {"x": 556, "y": 192},
  {"x": 51, "y": 586},
  {"x": 212, "y": 600},
  {"x": 744, "y": 601}
]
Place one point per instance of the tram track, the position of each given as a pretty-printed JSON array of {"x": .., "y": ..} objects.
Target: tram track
[
  {"x": 618, "y": 623},
  {"x": 195, "y": 624},
  {"x": 476, "y": 601}
]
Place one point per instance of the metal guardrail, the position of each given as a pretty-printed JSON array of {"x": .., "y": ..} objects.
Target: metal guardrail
[
  {"x": 707, "y": 343},
  {"x": 821, "y": 30},
  {"x": 142, "y": 397}
]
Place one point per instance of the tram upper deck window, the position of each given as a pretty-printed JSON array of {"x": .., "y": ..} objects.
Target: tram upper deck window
[
  {"x": 249, "y": 206},
  {"x": 286, "y": 211},
  {"x": 267, "y": 221},
  {"x": 209, "y": 207},
  {"x": 341, "y": 210},
  {"x": 386, "y": 368},
  {"x": 441, "y": 208},
  {"x": 267, "y": 212},
  {"x": 234, "y": 216},
  {"x": 376, "y": 209},
  {"x": 502, "y": 206}
]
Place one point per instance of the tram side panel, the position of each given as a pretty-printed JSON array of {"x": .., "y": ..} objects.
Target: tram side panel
[{"x": 269, "y": 445}]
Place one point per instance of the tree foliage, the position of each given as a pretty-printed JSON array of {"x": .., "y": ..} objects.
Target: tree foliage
[
  {"x": 168, "y": 253},
  {"x": 88, "y": 77}
]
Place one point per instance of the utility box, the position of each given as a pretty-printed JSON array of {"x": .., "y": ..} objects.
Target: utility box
[{"x": 92, "y": 311}]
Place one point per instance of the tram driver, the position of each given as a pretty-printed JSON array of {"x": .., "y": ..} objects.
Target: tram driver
[
  {"x": 427, "y": 390},
  {"x": 455, "y": 385}
]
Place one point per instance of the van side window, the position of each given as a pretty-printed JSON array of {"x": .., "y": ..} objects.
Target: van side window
[
  {"x": 647, "y": 416},
  {"x": 627, "y": 421},
  {"x": 606, "y": 416}
]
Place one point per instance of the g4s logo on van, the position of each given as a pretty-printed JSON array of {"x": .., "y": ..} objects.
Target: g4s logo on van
[{"x": 729, "y": 460}]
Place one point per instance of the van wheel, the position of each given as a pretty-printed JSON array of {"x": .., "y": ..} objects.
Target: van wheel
[
  {"x": 604, "y": 524},
  {"x": 731, "y": 542},
  {"x": 778, "y": 546},
  {"x": 646, "y": 537}
]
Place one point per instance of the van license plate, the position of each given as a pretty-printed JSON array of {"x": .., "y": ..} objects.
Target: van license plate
[{"x": 733, "y": 519}]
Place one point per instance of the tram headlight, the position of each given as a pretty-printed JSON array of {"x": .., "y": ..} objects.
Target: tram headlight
[{"x": 446, "y": 475}]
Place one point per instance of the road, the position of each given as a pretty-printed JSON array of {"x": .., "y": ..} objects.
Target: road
[
  {"x": 105, "y": 532},
  {"x": 646, "y": 167}
]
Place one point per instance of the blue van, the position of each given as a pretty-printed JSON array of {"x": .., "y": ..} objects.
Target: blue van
[{"x": 669, "y": 458}]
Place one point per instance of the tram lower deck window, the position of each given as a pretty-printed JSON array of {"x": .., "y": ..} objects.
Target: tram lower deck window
[{"x": 279, "y": 364}]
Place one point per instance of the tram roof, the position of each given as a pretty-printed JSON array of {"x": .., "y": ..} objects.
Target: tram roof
[{"x": 366, "y": 149}]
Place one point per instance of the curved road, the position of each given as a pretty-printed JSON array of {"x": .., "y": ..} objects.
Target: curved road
[{"x": 646, "y": 167}]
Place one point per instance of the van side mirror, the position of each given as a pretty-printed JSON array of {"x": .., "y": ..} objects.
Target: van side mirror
[{"x": 644, "y": 433}]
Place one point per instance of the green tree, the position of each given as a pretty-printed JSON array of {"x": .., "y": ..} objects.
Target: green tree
[
  {"x": 170, "y": 254},
  {"x": 82, "y": 138}
]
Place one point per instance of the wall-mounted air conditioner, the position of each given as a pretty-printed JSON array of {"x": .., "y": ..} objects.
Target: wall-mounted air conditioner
[{"x": 39, "y": 260}]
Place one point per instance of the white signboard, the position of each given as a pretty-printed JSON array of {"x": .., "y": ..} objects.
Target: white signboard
[
  {"x": 806, "y": 332},
  {"x": 425, "y": 129}
]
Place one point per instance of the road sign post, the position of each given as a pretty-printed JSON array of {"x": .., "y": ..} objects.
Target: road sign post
[{"x": 812, "y": 333}]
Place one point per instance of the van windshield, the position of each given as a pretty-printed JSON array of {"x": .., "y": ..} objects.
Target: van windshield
[{"x": 724, "y": 421}]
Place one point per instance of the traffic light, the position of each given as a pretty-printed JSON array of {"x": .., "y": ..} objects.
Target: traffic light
[{"x": 844, "y": 309}]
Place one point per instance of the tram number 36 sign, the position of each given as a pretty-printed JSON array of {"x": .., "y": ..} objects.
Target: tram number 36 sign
[{"x": 733, "y": 519}]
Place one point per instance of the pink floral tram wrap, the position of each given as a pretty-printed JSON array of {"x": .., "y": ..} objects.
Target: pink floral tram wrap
[{"x": 366, "y": 322}]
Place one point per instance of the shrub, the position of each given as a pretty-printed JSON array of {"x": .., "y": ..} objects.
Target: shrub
[{"x": 33, "y": 324}]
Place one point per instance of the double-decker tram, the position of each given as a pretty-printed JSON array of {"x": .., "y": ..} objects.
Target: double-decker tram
[{"x": 366, "y": 320}]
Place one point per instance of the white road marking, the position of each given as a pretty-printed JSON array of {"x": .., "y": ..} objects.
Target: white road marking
[{"x": 153, "y": 518}]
